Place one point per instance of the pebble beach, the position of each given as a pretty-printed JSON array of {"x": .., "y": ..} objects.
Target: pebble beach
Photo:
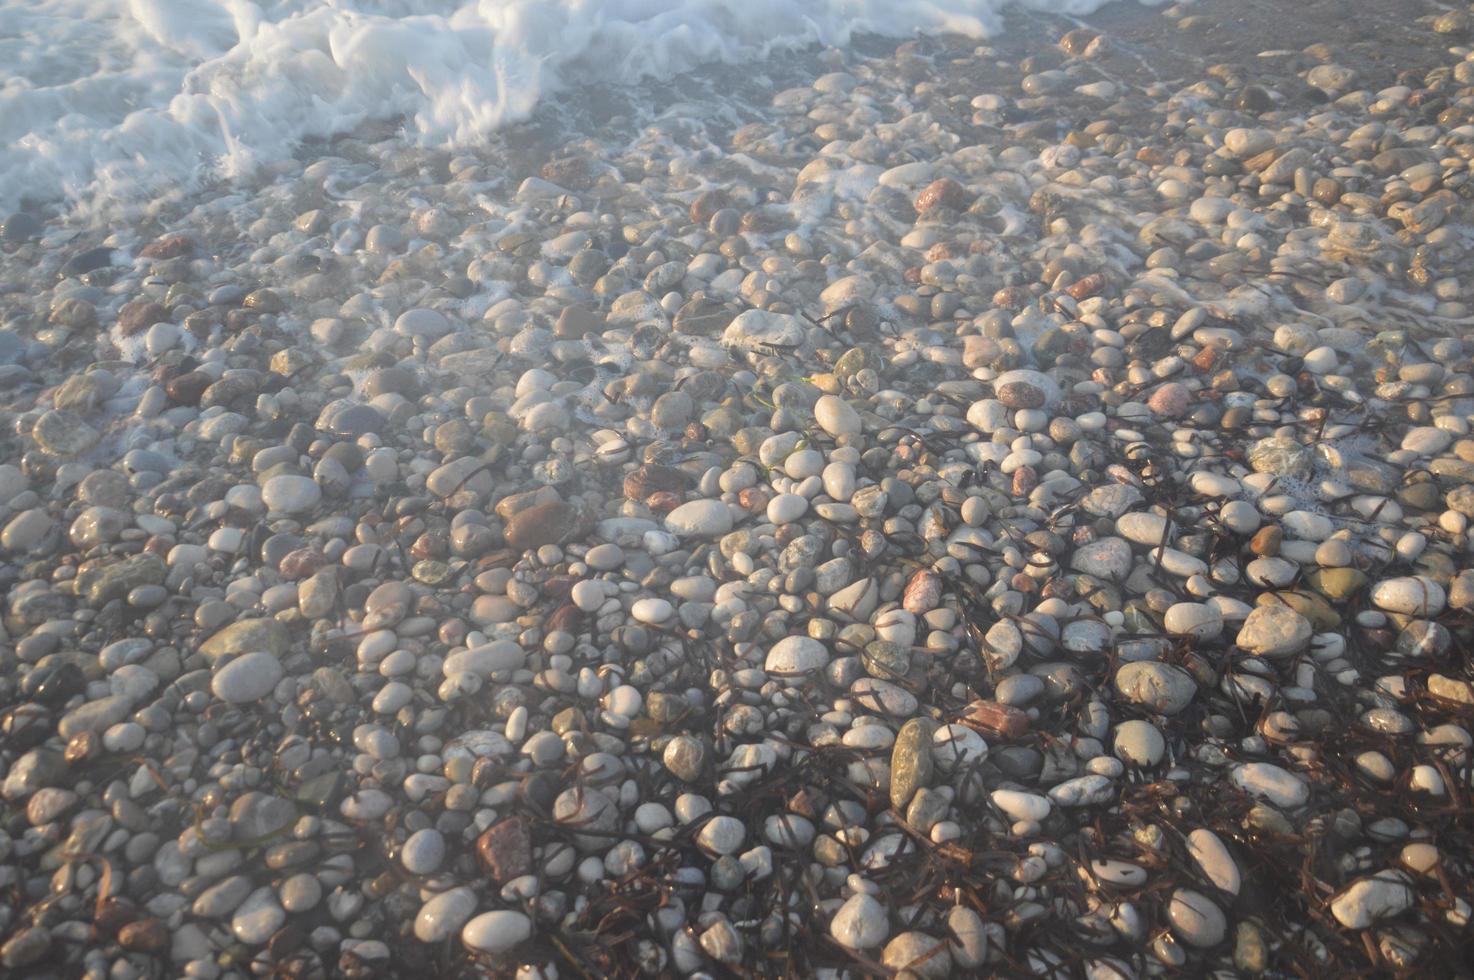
[{"x": 931, "y": 507}]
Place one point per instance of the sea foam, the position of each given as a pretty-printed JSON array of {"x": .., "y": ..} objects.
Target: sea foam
[{"x": 115, "y": 101}]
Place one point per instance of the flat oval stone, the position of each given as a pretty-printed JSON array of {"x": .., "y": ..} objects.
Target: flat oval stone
[
  {"x": 796, "y": 655},
  {"x": 290, "y": 494},
  {"x": 1413, "y": 595},
  {"x": 248, "y": 677},
  {"x": 836, "y": 416},
  {"x": 258, "y": 917},
  {"x": 423, "y": 851},
  {"x": 1274, "y": 631},
  {"x": 1163, "y": 688},
  {"x": 699, "y": 519},
  {"x": 1022, "y": 806},
  {"x": 496, "y": 932},
  {"x": 444, "y": 914},
  {"x": 1138, "y": 743},
  {"x": 860, "y": 923},
  {"x": 1269, "y": 782},
  {"x": 1369, "y": 900},
  {"x": 1195, "y": 919},
  {"x": 1115, "y": 872},
  {"x": 1211, "y": 856}
]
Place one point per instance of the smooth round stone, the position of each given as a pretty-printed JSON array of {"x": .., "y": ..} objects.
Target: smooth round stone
[
  {"x": 605, "y": 557},
  {"x": 496, "y": 932},
  {"x": 301, "y": 893},
  {"x": 1108, "y": 558},
  {"x": 699, "y": 519},
  {"x": 290, "y": 494},
  {"x": 588, "y": 595},
  {"x": 836, "y": 416},
  {"x": 1195, "y": 619},
  {"x": 1019, "y": 689},
  {"x": 652, "y": 611},
  {"x": 884, "y": 697},
  {"x": 1022, "y": 806},
  {"x": 685, "y": 757},
  {"x": 1085, "y": 636},
  {"x": 485, "y": 659},
  {"x": 916, "y": 955},
  {"x": 839, "y": 481},
  {"x": 423, "y": 851},
  {"x": 860, "y": 923},
  {"x": 1211, "y": 856},
  {"x": 1138, "y": 743},
  {"x": 1369, "y": 900},
  {"x": 444, "y": 914},
  {"x": 721, "y": 835},
  {"x": 1163, "y": 688},
  {"x": 787, "y": 508},
  {"x": 257, "y": 917},
  {"x": 1195, "y": 919},
  {"x": 420, "y": 322},
  {"x": 249, "y": 677},
  {"x": 1413, "y": 595},
  {"x": 1118, "y": 872},
  {"x": 796, "y": 655},
  {"x": 63, "y": 433},
  {"x": 1274, "y": 631},
  {"x": 1269, "y": 782}
]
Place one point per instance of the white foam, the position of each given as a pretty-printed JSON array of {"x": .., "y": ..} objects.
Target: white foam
[{"x": 113, "y": 101}]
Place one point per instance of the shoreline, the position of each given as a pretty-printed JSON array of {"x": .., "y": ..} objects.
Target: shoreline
[{"x": 928, "y": 508}]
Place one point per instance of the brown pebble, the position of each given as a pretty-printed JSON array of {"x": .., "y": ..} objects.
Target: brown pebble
[
  {"x": 565, "y": 618},
  {"x": 139, "y": 315},
  {"x": 144, "y": 936},
  {"x": 1024, "y": 481},
  {"x": 992, "y": 718},
  {"x": 922, "y": 593},
  {"x": 663, "y": 501},
  {"x": 506, "y": 850},
  {"x": 1266, "y": 542},
  {"x": 1020, "y": 394},
  {"x": 188, "y": 389},
  {"x": 546, "y": 523},
  {"x": 112, "y": 914},
  {"x": 943, "y": 193},
  {"x": 1087, "y": 287},
  {"x": 82, "y": 746},
  {"x": 708, "y": 203},
  {"x": 170, "y": 247},
  {"x": 653, "y": 478}
]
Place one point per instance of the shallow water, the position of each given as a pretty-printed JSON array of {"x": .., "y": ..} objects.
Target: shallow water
[{"x": 109, "y": 102}]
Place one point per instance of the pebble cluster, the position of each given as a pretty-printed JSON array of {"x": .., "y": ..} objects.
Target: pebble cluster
[{"x": 921, "y": 526}]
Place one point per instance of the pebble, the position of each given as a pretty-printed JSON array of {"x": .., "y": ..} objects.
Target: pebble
[
  {"x": 287, "y": 494},
  {"x": 796, "y": 655},
  {"x": 1209, "y": 853},
  {"x": 423, "y": 852},
  {"x": 1158, "y": 687},
  {"x": 1195, "y": 919},
  {"x": 496, "y": 932},
  {"x": 1369, "y": 900},
  {"x": 1274, "y": 631},
  {"x": 1272, "y": 783},
  {"x": 445, "y": 913},
  {"x": 246, "y": 678},
  {"x": 699, "y": 519},
  {"x": 860, "y": 923}
]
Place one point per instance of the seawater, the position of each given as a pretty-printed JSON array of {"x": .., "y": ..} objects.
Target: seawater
[{"x": 111, "y": 102}]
